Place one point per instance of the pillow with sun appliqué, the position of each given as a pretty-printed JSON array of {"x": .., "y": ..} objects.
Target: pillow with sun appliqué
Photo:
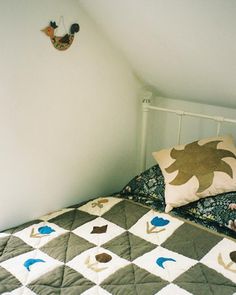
[{"x": 203, "y": 168}]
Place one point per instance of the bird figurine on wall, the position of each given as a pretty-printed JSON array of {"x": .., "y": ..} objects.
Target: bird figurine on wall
[{"x": 63, "y": 42}]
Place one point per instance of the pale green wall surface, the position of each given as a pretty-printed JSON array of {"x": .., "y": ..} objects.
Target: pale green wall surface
[
  {"x": 184, "y": 48},
  {"x": 67, "y": 119}
]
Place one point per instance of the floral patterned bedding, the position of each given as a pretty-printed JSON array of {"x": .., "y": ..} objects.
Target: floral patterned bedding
[{"x": 217, "y": 213}]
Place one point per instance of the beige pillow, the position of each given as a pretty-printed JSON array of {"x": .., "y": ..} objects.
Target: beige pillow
[{"x": 196, "y": 170}]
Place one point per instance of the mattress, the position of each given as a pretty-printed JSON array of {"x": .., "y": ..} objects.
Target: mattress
[{"x": 111, "y": 245}]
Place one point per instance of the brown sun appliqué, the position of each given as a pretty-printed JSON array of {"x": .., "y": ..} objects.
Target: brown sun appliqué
[{"x": 200, "y": 161}]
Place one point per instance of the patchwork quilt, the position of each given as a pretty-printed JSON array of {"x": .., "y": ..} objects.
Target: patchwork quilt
[{"x": 111, "y": 245}]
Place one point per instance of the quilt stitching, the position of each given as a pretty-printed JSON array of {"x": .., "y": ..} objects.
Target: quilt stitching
[{"x": 158, "y": 265}]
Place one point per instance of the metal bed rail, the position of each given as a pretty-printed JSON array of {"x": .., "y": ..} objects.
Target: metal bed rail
[{"x": 146, "y": 107}]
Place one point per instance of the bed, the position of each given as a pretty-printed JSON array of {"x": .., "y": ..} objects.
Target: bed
[
  {"x": 126, "y": 244},
  {"x": 214, "y": 213}
]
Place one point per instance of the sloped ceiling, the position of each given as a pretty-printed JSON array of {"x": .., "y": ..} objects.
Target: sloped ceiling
[{"x": 185, "y": 49}]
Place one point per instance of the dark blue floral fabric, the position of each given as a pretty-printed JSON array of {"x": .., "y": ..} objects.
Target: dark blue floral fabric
[{"x": 217, "y": 213}]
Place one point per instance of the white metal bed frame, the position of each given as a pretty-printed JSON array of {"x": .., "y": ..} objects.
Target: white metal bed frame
[{"x": 146, "y": 106}]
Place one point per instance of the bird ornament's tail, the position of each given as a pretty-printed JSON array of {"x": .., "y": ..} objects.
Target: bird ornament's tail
[{"x": 74, "y": 28}]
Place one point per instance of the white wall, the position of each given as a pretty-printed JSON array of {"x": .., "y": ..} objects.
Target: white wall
[
  {"x": 67, "y": 119},
  {"x": 185, "y": 48}
]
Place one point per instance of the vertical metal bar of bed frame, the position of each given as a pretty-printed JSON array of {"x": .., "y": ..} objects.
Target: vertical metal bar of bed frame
[
  {"x": 218, "y": 128},
  {"x": 143, "y": 149},
  {"x": 219, "y": 123},
  {"x": 180, "y": 114}
]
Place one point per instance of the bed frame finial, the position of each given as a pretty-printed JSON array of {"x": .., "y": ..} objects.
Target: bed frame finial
[{"x": 147, "y": 97}]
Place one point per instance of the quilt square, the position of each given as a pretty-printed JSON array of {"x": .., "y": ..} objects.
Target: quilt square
[
  {"x": 61, "y": 280},
  {"x": 129, "y": 246},
  {"x": 97, "y": 264},
  {"x": 200, "y": 279},
  {"x": 125, "y": 214},
  {"x": 96, "y": 290},
  {"x": 55, "y": 214},
  {"x": 8, "y": 282},
  {"x": 132, "y": 279},
  {"x": 72, "y": 219},
  {"x": 21, "y": 291},
  {"x": 173, "y": 289},
  {"x": 3, "y": 235},
  {"x": 11, "y": 246},
  {"x": 197, "y": 245},
  {"x": 100, "y": 205},
  {"x": 222, "y": 258},
  {"x": 98, "y": 231},
  {"x": 40, "y": 234},
  {"x": 164, "y": 263},
  {"x": 155, "y": 227},
  {"x": 65, "y": 247},
  {"x": 30, "y": 266}
]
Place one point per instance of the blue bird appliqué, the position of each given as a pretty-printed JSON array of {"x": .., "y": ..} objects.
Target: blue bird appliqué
[
  {"x": 159, "y": 221},
  {"x": 45, "y": 230},
  {"x": 161, "y": 260},
  {"x": 31, "y": 261}
]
